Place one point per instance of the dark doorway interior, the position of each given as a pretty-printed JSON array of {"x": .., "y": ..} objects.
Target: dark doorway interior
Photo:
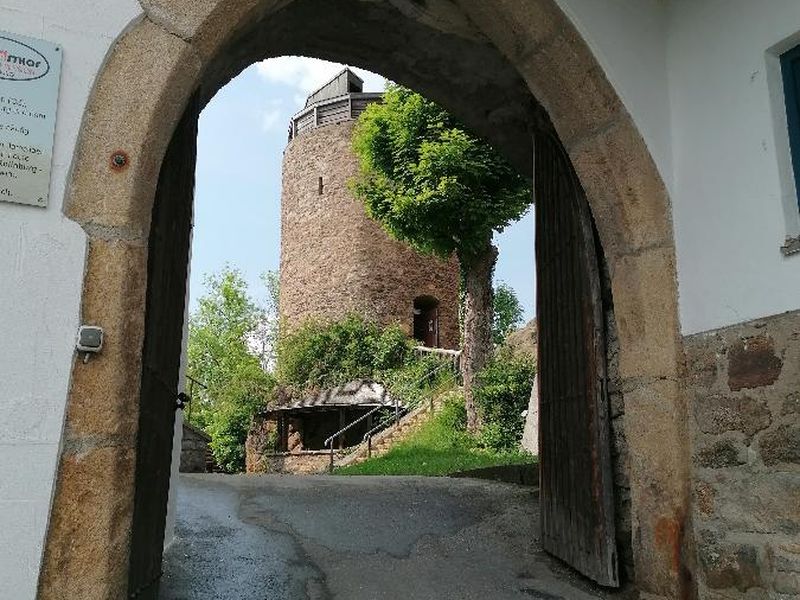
[{"x": 426, "y": 321}]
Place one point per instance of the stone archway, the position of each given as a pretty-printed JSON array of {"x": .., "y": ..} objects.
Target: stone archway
[{"x": 531, "y": 57}]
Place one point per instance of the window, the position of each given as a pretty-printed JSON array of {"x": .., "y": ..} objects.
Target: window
[{"x": 790, "y": 69}]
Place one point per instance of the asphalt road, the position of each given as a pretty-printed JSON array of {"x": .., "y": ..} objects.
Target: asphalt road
[{"x": 359, "y": 538}]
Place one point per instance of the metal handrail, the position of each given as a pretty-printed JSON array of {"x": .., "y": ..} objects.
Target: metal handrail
[
  {"x": 371, "y": 433},
  {"x": 382, "y": 424},
  {"x": 440, "y": 351},
  {"x": 329, "y": 440},
  {"x": 192, "y": 383}
]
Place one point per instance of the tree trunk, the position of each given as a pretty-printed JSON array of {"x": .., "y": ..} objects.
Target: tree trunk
[{"x": 478, "y": 312}]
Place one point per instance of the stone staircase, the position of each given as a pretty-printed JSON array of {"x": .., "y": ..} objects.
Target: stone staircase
[{"x": 384, "y": 440}]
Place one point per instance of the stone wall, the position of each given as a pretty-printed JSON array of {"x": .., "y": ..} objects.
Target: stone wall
[
  {"x": 194, "y": 449},
  {"x": 744, "y": 388},
  {"x": 335, "y": 259},
  {"x": 261, "y": 440},
  {"x": 307, "y": 462}
]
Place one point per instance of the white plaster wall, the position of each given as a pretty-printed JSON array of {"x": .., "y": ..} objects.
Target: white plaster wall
[
  {"x": 42, "y": 257},
  {"x": 701, "y": 81},
  {"x": 734, "y": 201}
]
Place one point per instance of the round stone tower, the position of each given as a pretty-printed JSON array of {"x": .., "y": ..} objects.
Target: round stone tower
[{"x": 335, "y": 260}]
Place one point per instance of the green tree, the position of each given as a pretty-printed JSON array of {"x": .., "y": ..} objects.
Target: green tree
[
  {"x": 265, "y": 338},
  {"x": 443, "y": 191},
  {"x": 507, "y": 313},
  {"x": 502, "y": 398},
  {"x": 222, "y": 334}
]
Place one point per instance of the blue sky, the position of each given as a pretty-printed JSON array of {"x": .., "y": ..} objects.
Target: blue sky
[{"x": 241, "y": 140}]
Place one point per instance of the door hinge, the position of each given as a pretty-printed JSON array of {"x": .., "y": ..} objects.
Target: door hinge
[{"x": 181, "y": 400}]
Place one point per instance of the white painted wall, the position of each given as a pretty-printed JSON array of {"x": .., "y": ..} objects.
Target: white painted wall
[
  {"x": 733, "y": 204},
  {"x": 42, "y": 257},
  {"x": 701, "y": 81}
]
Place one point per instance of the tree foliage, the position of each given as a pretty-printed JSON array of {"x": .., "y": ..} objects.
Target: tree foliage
[
  {"x": 429, "y": 182},
  {"x": 502, "y": 397},
  {"x": 322, "y": 354},
  {"x": 265, "y": 338},
  {"x": 444, "y": 191},
  {"x": 221, "y": 355},
  {"x": 507, "y": 313}
]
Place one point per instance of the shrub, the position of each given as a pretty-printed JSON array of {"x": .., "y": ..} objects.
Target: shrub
[
  {"x": 325, "y": 354},
  {"x": 228, "y": 424},
  {"x": 235, "y": 386},
  {"x": 502, "y": 395}
]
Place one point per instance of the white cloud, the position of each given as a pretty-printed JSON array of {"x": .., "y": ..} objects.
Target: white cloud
[
  {"x": 305, "y": 75},
  {"x": 273, "y": 115}
]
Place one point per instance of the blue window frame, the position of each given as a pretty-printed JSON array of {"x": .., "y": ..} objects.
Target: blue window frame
[{"x": 790, "y": 68}]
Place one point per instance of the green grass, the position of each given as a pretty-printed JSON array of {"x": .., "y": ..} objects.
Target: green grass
[{"x": 439, "y": 447}]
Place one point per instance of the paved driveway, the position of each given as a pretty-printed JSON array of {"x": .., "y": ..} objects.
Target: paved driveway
[{"x": 359, "y": 538}]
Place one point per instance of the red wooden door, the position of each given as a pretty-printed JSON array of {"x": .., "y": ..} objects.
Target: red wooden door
[
  {"x": 577, "y": 507},
  {"x": 170, "y": 236}
]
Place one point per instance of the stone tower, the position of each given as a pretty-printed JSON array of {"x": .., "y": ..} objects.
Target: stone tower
[{"x": 334, "y": 259}]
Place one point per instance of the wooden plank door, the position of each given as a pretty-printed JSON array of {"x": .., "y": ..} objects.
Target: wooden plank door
[
  {"x": 576, "y": 494},
  {"x": 170, "y": 237}
]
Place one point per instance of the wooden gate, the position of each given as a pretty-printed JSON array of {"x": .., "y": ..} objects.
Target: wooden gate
[
  {"x": 170, "y": 237},
  {"x": 577, "y": 503}
]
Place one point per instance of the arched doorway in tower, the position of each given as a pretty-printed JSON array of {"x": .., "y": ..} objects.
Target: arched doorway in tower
[{"x": 426, "y": 321}]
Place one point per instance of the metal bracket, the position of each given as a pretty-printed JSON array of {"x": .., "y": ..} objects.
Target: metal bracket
[{"x": 181, "y": 400}]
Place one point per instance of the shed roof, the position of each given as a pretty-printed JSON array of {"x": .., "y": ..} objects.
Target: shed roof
[
  {"x": 196, "y": 431},
  {"x": 356, "y": 393}
]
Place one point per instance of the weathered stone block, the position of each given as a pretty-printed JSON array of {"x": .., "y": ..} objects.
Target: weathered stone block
[
  {"x": 786, "y": 557},
  {"x": 781, "y": 445},
  {"x": 787, "y": 583},
  {"x": 105, "y": 391},
  {"x": 516, "y": 28},
  {"x": 704, "y": 496},
  {"x": 703, "y": 358},
  {"x": 647, "y": 315},
  {"x": 785, "y": 561},
  {"x": 578, "y": 97},
  {"x": 752, "y": 363},
  {"x": 791, "y": 406},
  {"x": 764, "y": 503},
  {"x": 722, "y": 453},
  {"x": 728, "y": 564},
  {"x": 207, "y": 24},
  {"x": 653, "y": 419},
  {"x": 100, "y": 519},
  {"x": 628, "y": 199},
  {"x": 153, "y": 101},
  {"x": 718, "y": 414}
]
